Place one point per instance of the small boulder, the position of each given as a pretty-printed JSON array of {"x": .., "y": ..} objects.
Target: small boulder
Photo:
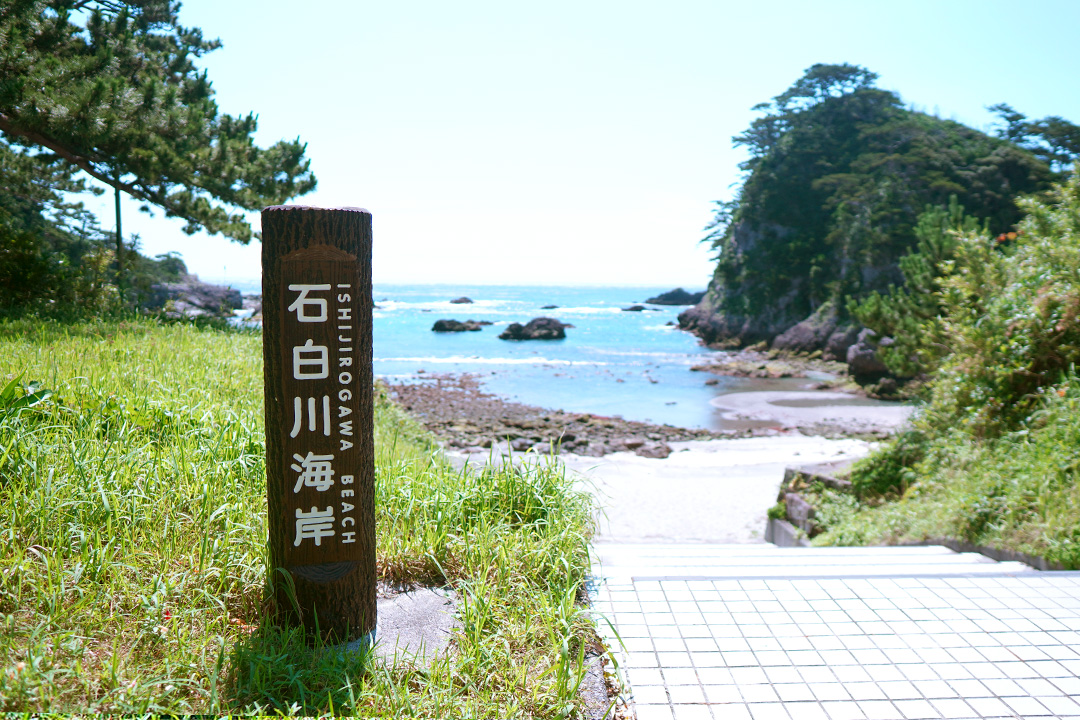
[
  {"x": 536, "y": 329},
  {"x": 461, "y": 301},
  {"x": 678, "y": 296},
  {"x": 455, "y": 326},
  {"x": 550, "y": 307},
  {"x": 634, "y": 308},
  {"x": 862, "y": 358},
  {"x": 658, "y": 450},
  {"x": 837, "y": 345},
  {"x": 806, "y": 336}
]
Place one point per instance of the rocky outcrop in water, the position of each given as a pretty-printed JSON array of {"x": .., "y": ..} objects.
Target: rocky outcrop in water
[
  {"x": 541, "y": 328},
  {"x": 678, "y": 296},
  {"x": 461, "y": 301},
  {"x": 443, "y": 326}
]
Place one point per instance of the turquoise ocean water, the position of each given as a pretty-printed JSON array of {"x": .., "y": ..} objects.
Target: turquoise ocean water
[{"x": 612, "y": 362}]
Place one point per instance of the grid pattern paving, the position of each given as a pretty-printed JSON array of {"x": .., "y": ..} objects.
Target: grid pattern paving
[{"x": 943, "y": 643}]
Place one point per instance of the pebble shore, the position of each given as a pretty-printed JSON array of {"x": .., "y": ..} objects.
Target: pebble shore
[{"x": 461, "y": 415}]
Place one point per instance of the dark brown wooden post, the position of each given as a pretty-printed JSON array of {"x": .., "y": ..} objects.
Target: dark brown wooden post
[{"x": 320, "y": 468}]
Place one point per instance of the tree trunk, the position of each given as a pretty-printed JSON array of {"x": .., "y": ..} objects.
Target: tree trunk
[{"x": 119, "y": 244}]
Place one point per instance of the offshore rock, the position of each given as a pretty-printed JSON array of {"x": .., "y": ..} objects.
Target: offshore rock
[
  {"x": 193, "y": 298},
  {"x": 461, "y": 301},
  {"x": 455, "y": 326},
  {"x": 678, "y": 296},
  {"x": 541, "y": 328},
  {"x": 634, "y": 308}
]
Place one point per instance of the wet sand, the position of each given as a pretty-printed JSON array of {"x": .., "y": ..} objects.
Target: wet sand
[{"x": 815, "y": 410}]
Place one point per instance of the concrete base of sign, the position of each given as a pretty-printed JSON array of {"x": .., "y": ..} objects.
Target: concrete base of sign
[{"x": 415, "y": 625}]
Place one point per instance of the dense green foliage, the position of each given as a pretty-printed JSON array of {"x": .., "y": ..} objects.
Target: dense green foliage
[
  {"x": 110, "y": 89},
  {"x": 113, "y": 88},
  {"x": 838, "y": 175},
  {"x": 133, "y": 545},
  {"x": 995, "y": 455},
  {"x": 1011, "y": 318},
  {"x": 911, "y": 314}
]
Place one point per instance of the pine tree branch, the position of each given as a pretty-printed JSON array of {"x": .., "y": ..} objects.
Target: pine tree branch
[{"x": 9, "y": 127}]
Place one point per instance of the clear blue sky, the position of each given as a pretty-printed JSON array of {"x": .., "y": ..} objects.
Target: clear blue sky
[{"x": 576, "y": 142}]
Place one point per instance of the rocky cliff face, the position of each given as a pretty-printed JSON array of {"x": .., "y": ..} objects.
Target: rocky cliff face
[{"x": 716, "y": 326}]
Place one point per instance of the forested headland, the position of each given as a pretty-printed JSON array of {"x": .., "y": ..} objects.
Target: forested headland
[
  {"x": 839, "y": 174},
  {"x": 955, "y": 255}
]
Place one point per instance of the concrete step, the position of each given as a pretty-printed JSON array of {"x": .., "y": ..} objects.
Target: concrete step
[{"x": 685, "y": 561}]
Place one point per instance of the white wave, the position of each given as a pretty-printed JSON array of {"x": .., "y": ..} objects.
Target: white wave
[
  {"x": 580, "y": 310},
  {"x": 491, "y": 307},
  {"x": 461, "y": 359},
  {"x": 478, "y": 307},
  {"x": 680, "y": 358}
]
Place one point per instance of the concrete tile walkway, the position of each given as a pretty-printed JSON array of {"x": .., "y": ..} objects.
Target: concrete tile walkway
[{"x": 754, "y": 632}]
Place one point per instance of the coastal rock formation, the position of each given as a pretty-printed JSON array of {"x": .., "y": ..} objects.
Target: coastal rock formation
[
  {"x": 540, "y": 328},
  {"x": 809, "y": 335},
  {"x": 456, "y": 326},
  {"x": 837, "y": 345},
  {"x": 550, "y": 307},
  {"x": 862, "y": 358},
  {"x": 727, "y": 328},
  {"x": 678, "y": 296},
  {"x": 634, "y": 308},
  {"x": 461, "y": 301},
  {"x": 193, "y": 298}
]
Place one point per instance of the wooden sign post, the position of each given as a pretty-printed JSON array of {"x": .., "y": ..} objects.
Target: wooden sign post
[{"x": 320, "y": 470}]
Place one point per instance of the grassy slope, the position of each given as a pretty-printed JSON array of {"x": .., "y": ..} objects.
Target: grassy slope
[
  {"x": 132, "y": 546},
  {"x": 1020, "y": 491}
]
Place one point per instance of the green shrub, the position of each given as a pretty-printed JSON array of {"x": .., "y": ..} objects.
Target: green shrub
[
  {"x": 1011, "y": 313},
  {"x": 890, "y": 469}
]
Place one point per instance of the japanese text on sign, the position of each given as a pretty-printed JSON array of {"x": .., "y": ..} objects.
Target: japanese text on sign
[{"x": 320, "y": 409}]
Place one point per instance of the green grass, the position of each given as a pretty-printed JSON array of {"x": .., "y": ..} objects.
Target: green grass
[
  {"x": 133, "y": 557},
  {"x": 1019, "y": 491}
]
